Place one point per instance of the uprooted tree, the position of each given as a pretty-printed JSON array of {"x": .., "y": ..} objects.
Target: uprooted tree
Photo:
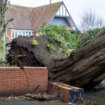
[{"x": 84, "y": 67}]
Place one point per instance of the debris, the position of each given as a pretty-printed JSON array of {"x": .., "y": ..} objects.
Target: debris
[
  {"x": 41, "y": 96},
  {"x": 67, "y": 93}
]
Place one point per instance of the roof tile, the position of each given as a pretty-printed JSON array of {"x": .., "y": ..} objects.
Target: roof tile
[{"x": 30, "y": 18}]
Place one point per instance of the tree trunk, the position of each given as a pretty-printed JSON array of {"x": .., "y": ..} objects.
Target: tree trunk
[
  {"x": 3, "y": 25},
  {"x": 3, "y": 8},
  {"x": 84, "y": 67}
]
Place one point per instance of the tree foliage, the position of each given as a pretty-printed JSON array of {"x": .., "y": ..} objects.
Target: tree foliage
[
  {"x": 84, "y": 37},
  {"x": 60, "y": 35},
  {"x": 68, "y": 41}
]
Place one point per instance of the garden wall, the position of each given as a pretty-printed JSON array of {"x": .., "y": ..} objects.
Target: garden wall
[{"x": 14, "y": 80}]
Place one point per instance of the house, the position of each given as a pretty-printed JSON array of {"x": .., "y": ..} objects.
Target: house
[{"x": 27, "y": 19}]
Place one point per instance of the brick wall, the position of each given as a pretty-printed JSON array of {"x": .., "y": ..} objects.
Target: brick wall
[{"x": 13, "y": 80}]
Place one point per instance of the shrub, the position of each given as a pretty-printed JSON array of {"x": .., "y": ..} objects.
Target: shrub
[
  {"x": 59, "y": 34},
  {"x": 86, "y": 36}
]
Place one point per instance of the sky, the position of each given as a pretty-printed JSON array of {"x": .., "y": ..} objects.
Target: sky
[{"x": 75, "y": 7}]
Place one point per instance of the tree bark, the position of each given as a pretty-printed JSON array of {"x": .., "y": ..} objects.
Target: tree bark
[{"x": 84, "y": 67}]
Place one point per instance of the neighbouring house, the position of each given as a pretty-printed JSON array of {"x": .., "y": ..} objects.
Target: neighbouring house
[{"x": 28, "y": 19}]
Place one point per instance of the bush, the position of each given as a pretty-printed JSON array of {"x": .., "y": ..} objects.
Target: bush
[
  {"x": 59, "y": 34},
  {"x": 67, "y": 41},
  {"x": 83, "y": 38}
]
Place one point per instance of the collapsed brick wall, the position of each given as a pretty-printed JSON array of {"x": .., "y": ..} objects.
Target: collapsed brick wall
[{"x": 13, "y": 80}]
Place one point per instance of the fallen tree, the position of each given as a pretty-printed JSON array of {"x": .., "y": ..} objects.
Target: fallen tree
[{"x": 84, "y": 67}]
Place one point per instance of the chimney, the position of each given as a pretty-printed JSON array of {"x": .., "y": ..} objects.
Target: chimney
[
  {"x": 50, "y": 1},
  {"x": 8, "y": 2}
]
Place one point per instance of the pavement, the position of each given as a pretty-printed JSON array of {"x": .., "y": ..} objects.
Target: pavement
[{"x": 25, "y": 102}]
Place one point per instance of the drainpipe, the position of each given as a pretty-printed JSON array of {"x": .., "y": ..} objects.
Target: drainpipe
[{"x": 8, "y": 2}]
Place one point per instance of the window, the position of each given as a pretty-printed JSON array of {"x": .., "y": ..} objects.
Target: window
[
  {"x": 23, "y": 33},
  {"x": 29, "y": 33},
  {"x": 13, "y": 36},
  {"x": 16, "y": 33}
]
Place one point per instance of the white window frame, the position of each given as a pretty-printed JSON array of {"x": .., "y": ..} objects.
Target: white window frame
[{"x": 16, "y": 33}]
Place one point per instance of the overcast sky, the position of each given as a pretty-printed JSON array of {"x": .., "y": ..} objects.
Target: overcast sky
[{"x": 75, "y": 7}]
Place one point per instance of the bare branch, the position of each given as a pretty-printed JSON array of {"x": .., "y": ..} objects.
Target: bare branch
[{"x": 89, "y": 20}]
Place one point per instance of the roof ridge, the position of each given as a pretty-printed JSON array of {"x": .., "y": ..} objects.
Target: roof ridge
[
  {"x": 21, "y": 6},
  {"x": 49, "y": 4}
]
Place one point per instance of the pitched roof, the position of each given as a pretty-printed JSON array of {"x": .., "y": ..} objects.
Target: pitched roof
[
  {"x": 30, "y": 18},
  {"x": 21, "y": 17},
  {"x": 43, "y": 14}
]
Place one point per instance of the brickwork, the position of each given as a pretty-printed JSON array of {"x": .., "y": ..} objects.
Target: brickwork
[
  {"x": 13, "y": 80},
  {"x": 9, "y": 33},
  {"x": 66, "y": 92}
]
